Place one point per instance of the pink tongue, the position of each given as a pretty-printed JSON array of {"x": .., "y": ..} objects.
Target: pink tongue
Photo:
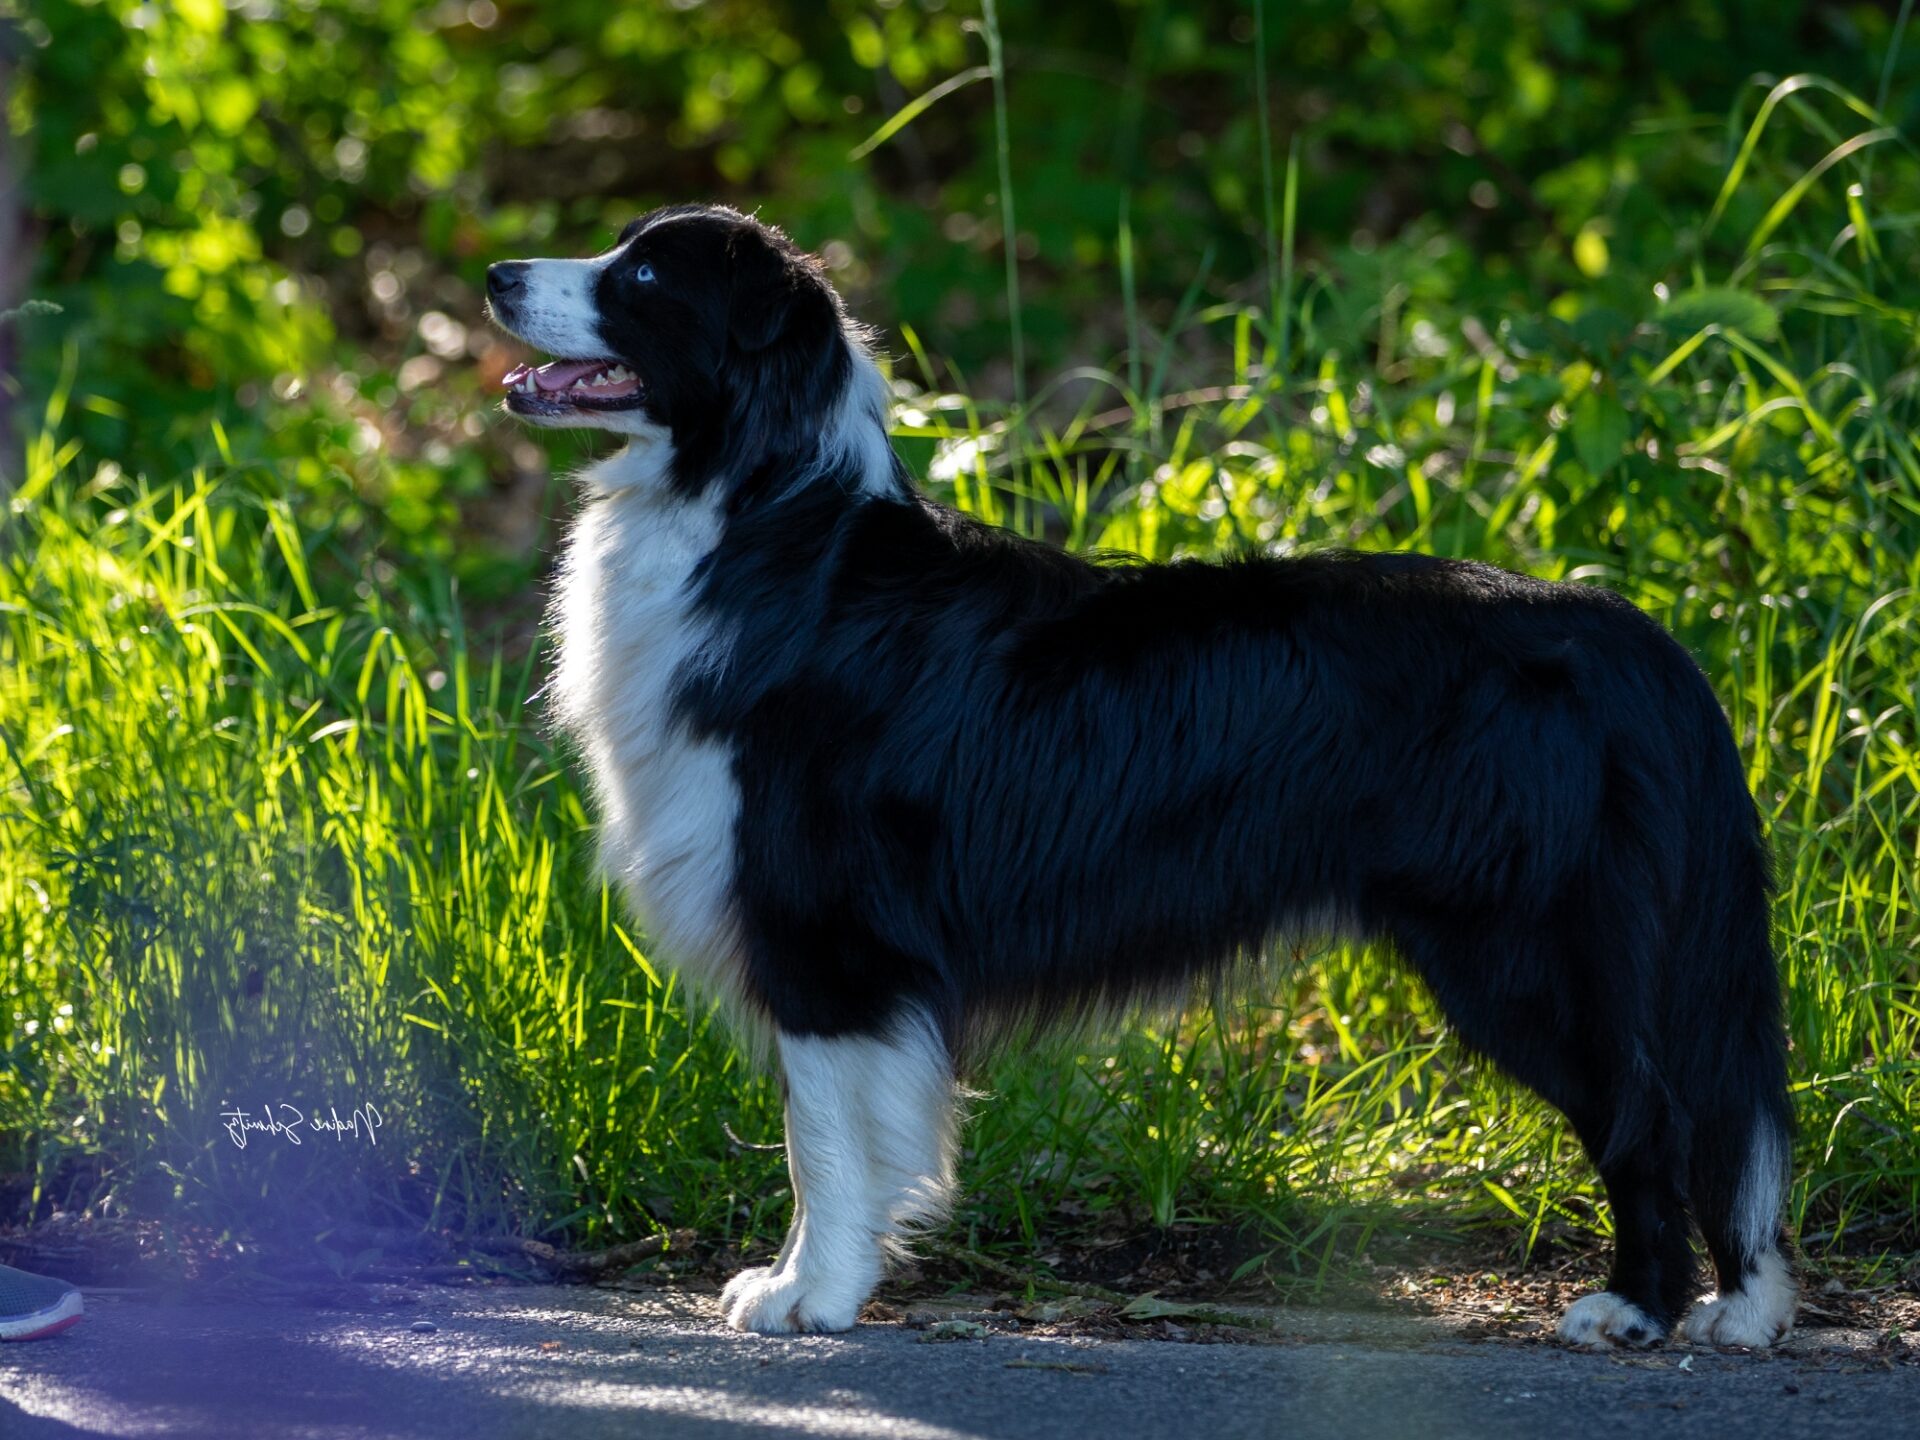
[{"x": 559, "y": 374}]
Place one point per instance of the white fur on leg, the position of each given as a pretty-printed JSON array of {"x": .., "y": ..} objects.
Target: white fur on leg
[
  {"x": 1605, "y": 1320},
  {"x": 1758, "y": 1313},
  {"x": 870, "y": 1146},
  {"x": 1759, "y": 1310}
]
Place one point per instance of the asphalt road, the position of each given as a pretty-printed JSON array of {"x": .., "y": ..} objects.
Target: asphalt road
[{"x": 578, "y": 1364}]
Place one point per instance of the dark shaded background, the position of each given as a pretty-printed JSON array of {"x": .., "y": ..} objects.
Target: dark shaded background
[{"x": 276, "y": 213}]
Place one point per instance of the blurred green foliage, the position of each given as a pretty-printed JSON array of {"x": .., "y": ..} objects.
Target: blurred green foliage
[{"x": 272, "y": 216}]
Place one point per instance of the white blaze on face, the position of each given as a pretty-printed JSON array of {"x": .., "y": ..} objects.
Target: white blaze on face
[{"x": 558, "y": 310}]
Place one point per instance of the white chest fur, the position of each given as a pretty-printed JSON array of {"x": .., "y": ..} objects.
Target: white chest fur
[{"x": 667, "y": 803}]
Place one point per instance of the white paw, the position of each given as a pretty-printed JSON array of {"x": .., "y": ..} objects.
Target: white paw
[
  {"x": 783, "y": 1302},
  {"x": 1757, "y": 1314},
  {"x": 747, "y": 1282},
  {"x": 1742, "y": 1318},
  {"x": 1605, "y": 1320}
]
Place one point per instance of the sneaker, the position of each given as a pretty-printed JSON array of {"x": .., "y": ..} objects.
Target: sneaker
[{"x": 33, "y": 1307}]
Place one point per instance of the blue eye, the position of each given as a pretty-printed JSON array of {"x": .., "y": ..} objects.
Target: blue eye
[{"x": 644, "y": 274}]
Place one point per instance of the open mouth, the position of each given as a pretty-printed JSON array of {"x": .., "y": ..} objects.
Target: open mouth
[{"x": 560, "y": 386}]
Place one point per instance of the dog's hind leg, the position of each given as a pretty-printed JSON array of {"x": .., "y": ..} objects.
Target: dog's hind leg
[
  {"x": 1733, "y": 1079},
  {"x": 1653, "y": 1266},
  {"x": 1619, "y": 1113},
  {"x": 870, "y": 1125},
  {"x": 1510, "y": 995},
  {"x": 1739, "y": 1191}
]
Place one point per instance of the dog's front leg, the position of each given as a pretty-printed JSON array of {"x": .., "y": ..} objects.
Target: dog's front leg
[{"x": 870, "y": 1150}]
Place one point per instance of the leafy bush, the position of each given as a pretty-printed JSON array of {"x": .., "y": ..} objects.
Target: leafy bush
[{"x": 274, "y": 216}]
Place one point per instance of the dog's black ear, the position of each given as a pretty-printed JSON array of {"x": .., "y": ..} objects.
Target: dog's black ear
[{"x": 762, "y": 293}]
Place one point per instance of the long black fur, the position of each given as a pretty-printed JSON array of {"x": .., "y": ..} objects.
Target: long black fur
[{"x": 1006, "y": 783}]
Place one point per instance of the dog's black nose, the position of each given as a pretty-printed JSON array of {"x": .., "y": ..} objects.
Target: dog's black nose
[{"x": 506, "y": 280}]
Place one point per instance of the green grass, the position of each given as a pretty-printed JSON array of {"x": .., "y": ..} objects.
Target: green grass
[{"x": 273, "y": 827}]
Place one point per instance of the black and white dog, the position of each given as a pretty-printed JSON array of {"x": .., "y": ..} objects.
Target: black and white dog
[{"x": 890, "y": 781}]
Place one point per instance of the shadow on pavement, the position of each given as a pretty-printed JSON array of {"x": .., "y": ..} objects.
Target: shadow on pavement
[{"x": 536, "y": 1362}]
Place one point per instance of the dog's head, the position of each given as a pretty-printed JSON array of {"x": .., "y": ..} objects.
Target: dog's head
[{"x": 700, "y": 323}]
